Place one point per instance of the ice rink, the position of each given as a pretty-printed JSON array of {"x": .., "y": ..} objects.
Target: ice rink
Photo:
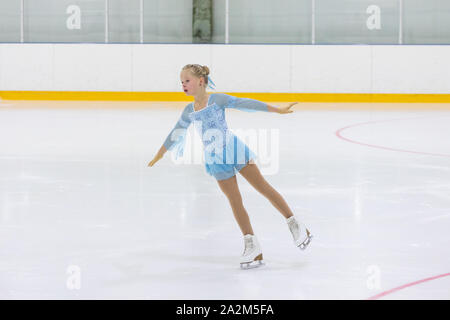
[{"x": 83, "y": 217}]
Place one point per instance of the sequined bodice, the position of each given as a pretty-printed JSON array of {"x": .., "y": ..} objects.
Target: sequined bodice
[{"x": 210, "y": 123}]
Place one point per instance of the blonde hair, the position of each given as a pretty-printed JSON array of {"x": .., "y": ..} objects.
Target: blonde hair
[{"x": 198, "y": 71}]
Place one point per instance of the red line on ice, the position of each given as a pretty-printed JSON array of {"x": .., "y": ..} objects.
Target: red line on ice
[
  {"x": 407, "y": 285},
  {"x": 339, "y": 135}
]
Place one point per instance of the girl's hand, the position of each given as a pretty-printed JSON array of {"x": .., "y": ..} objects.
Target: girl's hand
[
  {"x": 155, "y": 159},
  {"x": 286, "y": 109}
]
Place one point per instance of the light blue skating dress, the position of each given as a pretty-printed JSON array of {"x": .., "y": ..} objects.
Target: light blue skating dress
[{"x": 224, "y": 152}]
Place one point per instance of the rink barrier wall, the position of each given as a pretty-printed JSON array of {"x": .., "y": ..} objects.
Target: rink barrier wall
[
  {"x": 267, "y": 97},
  {"x": 150, "y": 72}
]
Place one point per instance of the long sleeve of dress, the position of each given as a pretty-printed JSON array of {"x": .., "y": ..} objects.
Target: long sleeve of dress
[
  {"x": 176, "y": 140},
  {"x": 244, "y": 104}
]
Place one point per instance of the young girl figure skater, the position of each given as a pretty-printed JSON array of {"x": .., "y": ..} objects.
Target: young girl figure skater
[{"x": 225, "y": 155}]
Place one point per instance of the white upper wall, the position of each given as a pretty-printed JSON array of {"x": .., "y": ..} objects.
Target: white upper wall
[{"x": 234, "y": 68}]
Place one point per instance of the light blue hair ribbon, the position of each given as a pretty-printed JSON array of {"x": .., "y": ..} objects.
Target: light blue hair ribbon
[{"x": 211, "y": 84}]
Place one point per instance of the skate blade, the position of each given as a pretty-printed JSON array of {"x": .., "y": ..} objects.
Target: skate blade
[
  {"x": 305, "y": 243},
  {"x": 252, "y": 265}
]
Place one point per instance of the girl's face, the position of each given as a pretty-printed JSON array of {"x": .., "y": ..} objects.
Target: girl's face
[{"x": 191, "y": 84}]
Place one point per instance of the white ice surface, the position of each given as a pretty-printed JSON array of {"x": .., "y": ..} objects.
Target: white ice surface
[{"x": 75, "y": 190}]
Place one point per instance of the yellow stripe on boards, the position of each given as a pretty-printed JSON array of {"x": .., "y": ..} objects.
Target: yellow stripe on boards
[{"x": 267, "y": 97}]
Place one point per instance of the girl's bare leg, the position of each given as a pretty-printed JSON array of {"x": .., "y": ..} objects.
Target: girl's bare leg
[
  {"x": 231, "y": 190},
  {"x": 252, "y": 174}
]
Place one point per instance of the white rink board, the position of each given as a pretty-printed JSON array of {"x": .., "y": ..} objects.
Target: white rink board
[{"x": 234, "y": 68}]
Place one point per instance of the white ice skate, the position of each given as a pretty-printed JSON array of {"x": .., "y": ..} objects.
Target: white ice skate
[
  {"x": 302, "y": 236},
  {"x": 252, "y": 256}
]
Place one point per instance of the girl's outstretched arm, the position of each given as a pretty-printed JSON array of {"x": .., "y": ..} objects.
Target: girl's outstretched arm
[
  {"x": 176, "y": 139},
  {"x": 158, "y": 156},
  {"x": 249, "y": 105},
  {"x": 281, "y": 109}
]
